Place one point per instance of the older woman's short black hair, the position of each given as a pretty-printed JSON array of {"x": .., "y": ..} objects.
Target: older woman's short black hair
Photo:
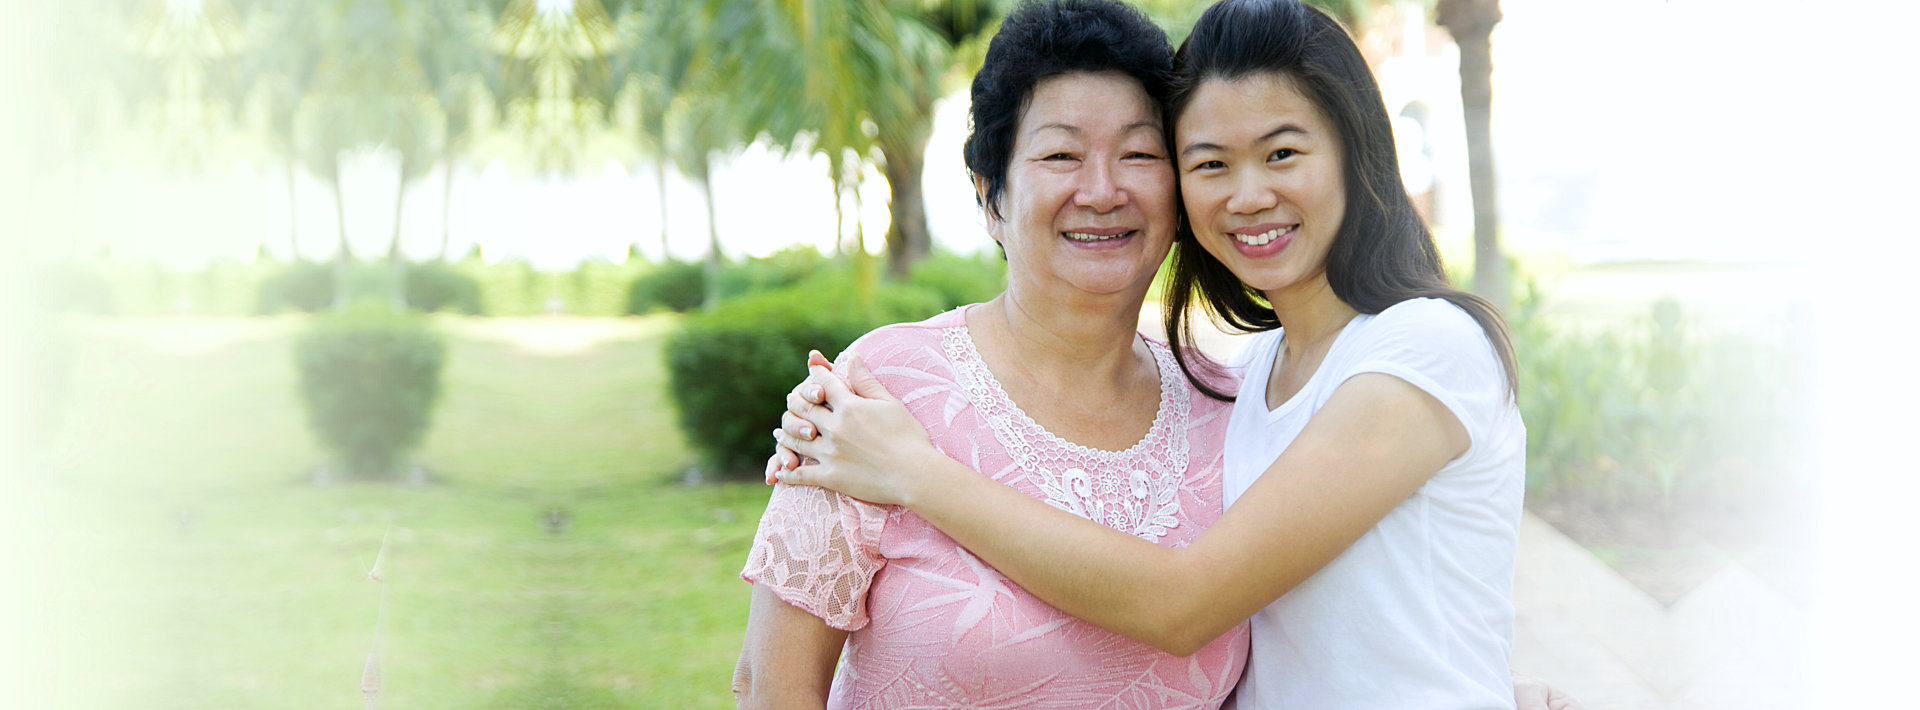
[{"x": 1046, "y": 38}]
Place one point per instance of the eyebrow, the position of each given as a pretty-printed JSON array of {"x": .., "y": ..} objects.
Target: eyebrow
[
  {"x": 1131, "y": 127},
  {"x": 1275, "y": 133}
]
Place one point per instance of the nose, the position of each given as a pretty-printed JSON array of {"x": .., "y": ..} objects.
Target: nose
[
  {"x": 1251, "y": 195},
  {"x": 1099, "y": 191}
]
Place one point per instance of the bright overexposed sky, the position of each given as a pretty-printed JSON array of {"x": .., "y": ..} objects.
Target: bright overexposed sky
[{"x": 1614, "y": 121}]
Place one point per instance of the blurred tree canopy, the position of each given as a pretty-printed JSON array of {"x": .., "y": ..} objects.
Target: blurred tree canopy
[{"x": 547, "y": 86}]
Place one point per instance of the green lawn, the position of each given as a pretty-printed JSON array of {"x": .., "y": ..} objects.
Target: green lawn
[{"x": 553, "y": 560}]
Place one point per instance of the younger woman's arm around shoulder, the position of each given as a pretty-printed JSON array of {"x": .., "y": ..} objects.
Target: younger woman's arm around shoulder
[
  {"x": 788, "y": 658},
  {"x": 1376, "y": 440}
]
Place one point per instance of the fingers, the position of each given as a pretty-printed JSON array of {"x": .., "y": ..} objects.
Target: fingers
[
  {"x": 794, "y": 425},
  {"x": 1557, "y": 700},
  {"x": 862, "y": 381},
  {"x": 814, "y": 449},
  {"x": 833, "y": 388},
  {"x": 782, "y": 461},
  {"x": 814, "y": 358}
]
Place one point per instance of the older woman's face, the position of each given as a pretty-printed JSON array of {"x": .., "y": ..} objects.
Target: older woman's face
[{"x": 1089, "y": 194}]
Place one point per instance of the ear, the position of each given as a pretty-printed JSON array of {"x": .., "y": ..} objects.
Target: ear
[{"x": 986, "y": 215}]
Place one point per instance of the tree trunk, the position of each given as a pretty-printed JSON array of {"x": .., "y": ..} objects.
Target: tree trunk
[
  {"x": 660, "y": 184},
  {"x": 839, "y": 218},
  {"x": 343, "y": 258},
  {"x": 705, "y": 177},
  {"x": 396, "y": 262},
  {"x": 1471, "y": 23},
  {"x": 446, "y": 209},
  {"x": 293, "y": 209},
  {"x": 907, "y": 238}
]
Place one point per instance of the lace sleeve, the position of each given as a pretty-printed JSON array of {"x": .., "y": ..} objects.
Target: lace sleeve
[{"x": 818, "y": 550}]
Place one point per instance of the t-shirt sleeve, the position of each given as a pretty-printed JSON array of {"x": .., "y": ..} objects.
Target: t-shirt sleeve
[
  {"x": 1435, "y": 346},
  {"x": 819, "y": 551}
]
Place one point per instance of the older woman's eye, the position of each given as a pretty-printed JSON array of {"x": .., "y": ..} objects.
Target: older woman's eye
[
  {"x": 1142, "y": 155},
  {"x": 1059, "y": 156}
]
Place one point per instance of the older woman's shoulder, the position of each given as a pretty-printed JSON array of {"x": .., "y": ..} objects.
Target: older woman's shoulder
[{"x": 900, "y": 343}]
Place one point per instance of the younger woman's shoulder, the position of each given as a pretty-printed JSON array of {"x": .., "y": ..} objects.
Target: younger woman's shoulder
[{"x": 1436, "y": 321}]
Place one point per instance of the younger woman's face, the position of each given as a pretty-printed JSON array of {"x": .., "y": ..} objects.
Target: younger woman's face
[{"x": 1261, "y": 177}]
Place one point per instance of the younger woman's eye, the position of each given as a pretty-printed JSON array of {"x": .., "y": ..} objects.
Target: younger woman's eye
[
  {"x": 1281, "y": 154},
  {"x": 1209, "y": 165}
]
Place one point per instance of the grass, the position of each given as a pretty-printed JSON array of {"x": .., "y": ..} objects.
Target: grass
[{"x": 553, "y": 560}]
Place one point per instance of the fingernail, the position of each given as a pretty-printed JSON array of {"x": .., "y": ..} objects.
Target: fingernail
[
  {"x": 806, "y": 432},
  {"x": 813, "y": 392}
]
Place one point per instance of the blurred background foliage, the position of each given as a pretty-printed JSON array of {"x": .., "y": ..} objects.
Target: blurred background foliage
[{"x": 549, "y": 553}]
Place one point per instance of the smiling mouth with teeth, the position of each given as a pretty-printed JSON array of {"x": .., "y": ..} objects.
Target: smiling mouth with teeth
[
  {"x": 1263, "y": 238},
  {"x": 1084, "y": 237}
]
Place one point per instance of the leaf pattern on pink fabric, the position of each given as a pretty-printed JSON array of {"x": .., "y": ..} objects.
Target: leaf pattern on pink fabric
[{"x": 944, "y": 630}]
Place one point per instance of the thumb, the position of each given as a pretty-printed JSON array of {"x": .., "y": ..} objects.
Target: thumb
[{"x": 863, "y": 382}]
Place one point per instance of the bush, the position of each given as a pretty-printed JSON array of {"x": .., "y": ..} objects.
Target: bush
[
  {"x": 1654, "y": 412},
  {"x": 597, "y": 288},
  {"x": 301, "y": 286},
  {"x": 369, "y": 378},
  {"x": 730, "y": 369},
  {"x": 767, "y": 273},
  {"x": 433, "y": 287},
  {"x": 308, "y": 286},
  {"x": 960, "y": 280},
  {"x": 677, "y": 286}
]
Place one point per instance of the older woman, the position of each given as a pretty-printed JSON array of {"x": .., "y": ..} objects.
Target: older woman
[
  {"x": 1047, "y": 388},
  {"x": 1375, "y": 454}
]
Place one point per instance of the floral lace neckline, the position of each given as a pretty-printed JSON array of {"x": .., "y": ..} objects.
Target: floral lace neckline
[
  {"x": 1135, "y": 491},
  {"x": 960, "y": 341}
]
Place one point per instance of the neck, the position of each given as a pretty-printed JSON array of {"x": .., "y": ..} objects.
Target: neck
[
  {"x": 1062, "y": 337},
  {"x": 1311, "y": 313}
]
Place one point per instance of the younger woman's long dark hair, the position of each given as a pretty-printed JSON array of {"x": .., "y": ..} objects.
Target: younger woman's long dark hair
[{"x": 1383, "y": 253}]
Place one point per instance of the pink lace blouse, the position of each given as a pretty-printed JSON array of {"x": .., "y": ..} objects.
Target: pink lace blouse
[{"x": 932, "y": 625}]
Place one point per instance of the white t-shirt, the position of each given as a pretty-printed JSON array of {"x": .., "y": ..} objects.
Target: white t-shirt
[{"x": 1419, "y": 612}]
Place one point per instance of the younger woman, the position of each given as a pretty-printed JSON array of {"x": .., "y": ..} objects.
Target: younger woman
[{"x": 1374, "y": 456}]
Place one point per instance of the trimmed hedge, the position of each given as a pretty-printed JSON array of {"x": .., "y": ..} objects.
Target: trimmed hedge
[
  {"x": 369, "y": 378},
  {"x": 729, "y": 370},
  {"x": 308, "y": 286},
  {"x": 677, "y": 286},
  {"x": 961, "y": 280}
]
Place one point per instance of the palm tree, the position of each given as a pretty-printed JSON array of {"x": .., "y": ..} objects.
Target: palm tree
[
  {"x": 554, "y": 82},
  {"x": 658, "y": 59},
  {"x": 287, "y": 43},
  {"x": 446, "y": 43},
  {"x": 853, "y": 77},
  {"x": 1471, "y": 24},
  {"x": 700, "y": 125}
]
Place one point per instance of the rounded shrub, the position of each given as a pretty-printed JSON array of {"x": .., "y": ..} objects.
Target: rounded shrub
[
  {"x": 961, "y": 280},
  {"x": 729, "y": 369},
  {"x": 677, "y": 286},
  {"x": 434, "y": 286},
  {"x": 369, "y": 377},
  {"x": 774, "y": 271},
  {"x": 300, "y": 286}
]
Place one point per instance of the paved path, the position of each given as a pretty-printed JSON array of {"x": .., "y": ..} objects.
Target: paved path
[{"x": 1733, "y": 642}]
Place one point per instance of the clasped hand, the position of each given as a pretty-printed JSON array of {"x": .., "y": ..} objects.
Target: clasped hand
[{"x": 849, "y": 435}]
